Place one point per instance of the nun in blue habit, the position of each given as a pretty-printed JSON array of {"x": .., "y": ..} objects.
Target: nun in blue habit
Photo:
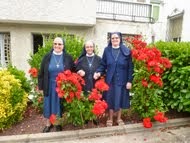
[
  {"x": 54, "y": 62},
  {"x": 117, "y": 65}
]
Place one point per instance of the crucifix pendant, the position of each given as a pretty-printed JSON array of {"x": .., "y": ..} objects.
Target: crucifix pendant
[
  {"x": 57, "y": 65},
  {"x": 90, "y": 65}
]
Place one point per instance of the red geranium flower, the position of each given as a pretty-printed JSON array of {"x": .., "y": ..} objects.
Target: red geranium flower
[
  {"x": 69, "y": 85},
  {"x": 52, "y": 118},
  {"x": 94, "y": 95},
  {"x": 101, "y": 85},
  {"x": 160, "y": 117},
  {"x": 147, "y": 123},
  {"x": 144, "y": 83},
  {"x": 99, "y": 107},
  {"x": 33, "y": 72}
]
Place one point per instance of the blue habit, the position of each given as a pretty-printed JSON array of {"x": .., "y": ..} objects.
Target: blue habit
[{"x": 52, "y": 103}]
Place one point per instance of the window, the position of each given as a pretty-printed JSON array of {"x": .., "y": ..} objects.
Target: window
[
  {"x": 5, "y": 56},
  {"x": 37, "y": 41},
  {"x": 177, "y": 39},
  {"x": 155, "y": 13},
  {"x": 124, "y": 37}
]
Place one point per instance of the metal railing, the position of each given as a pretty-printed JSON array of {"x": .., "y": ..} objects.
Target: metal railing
[{"x": 121, "y": 10}]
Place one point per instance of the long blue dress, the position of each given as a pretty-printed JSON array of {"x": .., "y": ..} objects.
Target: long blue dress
[
  {"x": 52, "y": 103},
  {"x": 118, "y": 96}
]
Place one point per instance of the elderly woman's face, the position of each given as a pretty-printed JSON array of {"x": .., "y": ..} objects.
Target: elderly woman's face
[
  {"x": 58, "y": 45},
  {"x": 89, "y": 47},
  {"x": 115, "y": 40}
]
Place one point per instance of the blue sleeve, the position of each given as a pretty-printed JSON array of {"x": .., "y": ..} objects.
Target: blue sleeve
[{"x": 130, "y": 69}]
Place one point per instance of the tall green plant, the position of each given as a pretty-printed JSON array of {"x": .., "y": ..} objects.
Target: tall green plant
[
  {"x": 176, "y": 91},
  {"x": 149, "y": 67}
]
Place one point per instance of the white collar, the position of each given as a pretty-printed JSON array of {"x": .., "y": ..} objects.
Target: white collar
[
  {"x": 115, "y": 47},
  {"x": 58, "y": 53},
  {"x": 90, "y": 55}
]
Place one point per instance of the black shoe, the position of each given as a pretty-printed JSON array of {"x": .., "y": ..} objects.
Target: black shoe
[
  {"x": 58, "y": 128},
  {"x": 47, "y": 128},
  {"x": 96, "y": 122}
]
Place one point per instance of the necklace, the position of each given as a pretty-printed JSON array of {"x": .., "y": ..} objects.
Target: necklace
[
  {"x": 90, "y": 62},
  {"x": 57, "y": 62}
]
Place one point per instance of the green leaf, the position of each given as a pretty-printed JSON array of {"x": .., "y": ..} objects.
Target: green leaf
[
  {"x": 187, "y": 95},
  {"x": 184, "y": 91}
]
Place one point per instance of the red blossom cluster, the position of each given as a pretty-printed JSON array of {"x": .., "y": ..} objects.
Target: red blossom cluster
[
  {"x": 147, "y": 123},
  {"x": 152, "y": 58},
  {"x": 33, "y": 72},
  {"x": 69, "y": 85},
  {"x": 99, "y": 105},
  {"x": 158, "y": 117},
  {"x": 101, "y": 85},
  {"x": 52, "y": 119}
]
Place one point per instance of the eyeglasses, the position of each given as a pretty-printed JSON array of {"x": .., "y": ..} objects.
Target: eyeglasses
[
  {"x": 115, "y": 38},
  {"x": 59, "y": 44},
  {"x": 89, "y": 46}
]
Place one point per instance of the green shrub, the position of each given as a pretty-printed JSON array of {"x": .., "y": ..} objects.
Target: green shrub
[
  {"x": 176, "y": 91},
  {"x": 13, "y": 99},
  {"x": 19, "y": 74}
]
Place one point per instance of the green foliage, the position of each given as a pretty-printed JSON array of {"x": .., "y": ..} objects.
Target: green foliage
[
  {"x": 13, "y": 99},
  {"x": 176, "y": 91},
  {"x": 145, "y": 101},
  {"x": 21, "y": 76},
  {"x": 149, "y": 66},
  {"x": 78, "y": 111}
]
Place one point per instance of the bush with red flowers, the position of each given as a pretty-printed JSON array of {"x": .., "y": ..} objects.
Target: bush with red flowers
[
  {"x": 79, "y": 108},
  {"x": 149, "y": 67},
  {"x": 35, "y": 96}
]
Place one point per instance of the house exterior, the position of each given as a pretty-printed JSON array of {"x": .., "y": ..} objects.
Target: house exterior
[{"x": 25, "y": 24}]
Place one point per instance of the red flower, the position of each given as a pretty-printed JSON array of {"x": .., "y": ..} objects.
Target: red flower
[
  {"x": 94, "y": 95},
  {"x": 147, "y": 123},
  {"x": 156, "y": 79},
  {"x": 69, "y": 85},
  {"x": 52, "y": 118},
  {"x": 101, "y": 85},
  {"x": 160, "y": 117},
  {"x": 33, "y": 72},
  {"x": 99, "y": 107},
  {"x": 144, "y": 83},
  {"x": 166, "y": 63},
  {"x": 59, "y": 92}
]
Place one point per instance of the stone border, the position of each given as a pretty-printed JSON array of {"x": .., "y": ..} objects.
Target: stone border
[{"x": 90, "y": 133}]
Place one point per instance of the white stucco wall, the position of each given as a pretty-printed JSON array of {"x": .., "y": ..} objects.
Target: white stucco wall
[{"x": 60, "y": 12}]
